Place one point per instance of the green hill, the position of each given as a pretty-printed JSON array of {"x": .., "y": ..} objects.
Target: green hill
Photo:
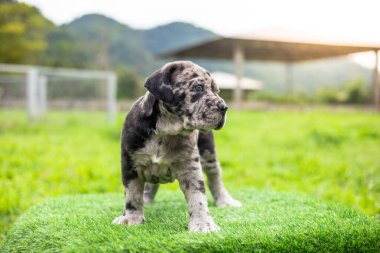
[
  {"x": 173, "y": 36},
  {"x": 111, "y": 44},
  {"x": 106, "y": 42}
]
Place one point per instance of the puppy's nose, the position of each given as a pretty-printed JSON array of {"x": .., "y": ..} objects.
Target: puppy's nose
[{"x": 222, "y": 107}]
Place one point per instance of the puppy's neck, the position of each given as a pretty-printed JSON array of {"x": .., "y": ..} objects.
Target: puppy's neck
[
  {"x": 169, "y": 123},
  {"x": 166, "y": 121}
]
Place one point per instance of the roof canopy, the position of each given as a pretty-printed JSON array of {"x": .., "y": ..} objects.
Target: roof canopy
[
  {"x": 265, "y": 48},
  {"x": 277, "y": 46},
  {"x": 228, "y": 81}
]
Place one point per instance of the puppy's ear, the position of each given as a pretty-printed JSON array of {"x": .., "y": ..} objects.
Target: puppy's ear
[{"x": 160, "y": 83}]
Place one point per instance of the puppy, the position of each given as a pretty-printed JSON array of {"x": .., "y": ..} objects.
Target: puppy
[{"x": 166, "y": 136}]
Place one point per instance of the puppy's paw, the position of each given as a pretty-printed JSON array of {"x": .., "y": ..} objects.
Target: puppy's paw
[
  {"x": 203, "y": 225},
  {"x": 129, "y": 220},
  {"x": 227, "y": 201}
]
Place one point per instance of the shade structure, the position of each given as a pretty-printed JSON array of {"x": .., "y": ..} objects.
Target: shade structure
[
  {"x": 228, "y": 81},
  {"x": 271, "y": 47}
]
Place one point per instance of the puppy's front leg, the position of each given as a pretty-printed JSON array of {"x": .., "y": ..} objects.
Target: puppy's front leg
[
  {"x": 192, "y": 184},
  {"x": 134, "y": 205}
]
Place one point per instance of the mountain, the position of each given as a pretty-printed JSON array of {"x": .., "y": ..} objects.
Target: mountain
[
  {"x": 174, "y": 35},
  {"x": 97, "y": 41},
  {"x": 113, "y": 44}
]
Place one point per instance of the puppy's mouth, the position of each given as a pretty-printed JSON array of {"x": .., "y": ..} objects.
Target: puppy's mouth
[{"x": 220, "y": 123}]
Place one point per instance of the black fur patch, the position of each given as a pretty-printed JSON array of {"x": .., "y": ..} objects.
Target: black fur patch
[
  {"x": 178, "y": 110},
  {"x": 187, "y": 184},
  {"x": 194, "y": 75},
  {"x": 137, "y": 129},
  {"x": 130, "y": 207},
  {"x": 196, "y": 159},
  {"x": 179, "y": 97},
  {"x": 201, "y": 186},
  {"x": 166, "y": 94},
  {"x": 128, "y": 172},
  {"x": 206, "y": 142},
  {"x": 160, "y": 82},
  {"x": 195, "y": 97},
  {"x": 155, "y": 180}
]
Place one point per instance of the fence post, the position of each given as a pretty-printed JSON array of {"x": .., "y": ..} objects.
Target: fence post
[
  {"x": 31, "y": 90},
  {"x": 42, "y": 94},
  {"x": 239, "y": 69},
  {"x": 375, "y": 82},
  {"x": 111, "y": 97}
]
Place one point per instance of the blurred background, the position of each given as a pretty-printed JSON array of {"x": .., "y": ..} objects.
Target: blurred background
[{"x": 302, "y": 79}]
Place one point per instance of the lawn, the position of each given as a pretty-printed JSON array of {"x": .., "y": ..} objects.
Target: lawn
[
  {"x": 267, "y": 222},
  {"x": 330, "y": 155}
]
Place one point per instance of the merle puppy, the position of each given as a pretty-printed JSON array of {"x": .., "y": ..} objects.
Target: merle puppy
[{"x": 167, "y": 136}]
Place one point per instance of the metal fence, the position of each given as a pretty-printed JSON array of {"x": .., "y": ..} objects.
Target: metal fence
[{"x": 38, "y": 87}]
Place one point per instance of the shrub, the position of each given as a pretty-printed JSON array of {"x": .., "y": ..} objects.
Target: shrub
[
  {"x": 278, "y": 98},
  {"x": 129, "y": 84},
  {"x": 356, "y": 92},
  {"x": 352, "y": 92}
]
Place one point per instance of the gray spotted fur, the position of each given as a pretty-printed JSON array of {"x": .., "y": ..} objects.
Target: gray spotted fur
[{"x": 167, "y": 136}]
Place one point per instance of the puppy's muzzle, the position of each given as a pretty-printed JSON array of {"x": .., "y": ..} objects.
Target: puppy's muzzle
[{"x": 222, "y": 107}]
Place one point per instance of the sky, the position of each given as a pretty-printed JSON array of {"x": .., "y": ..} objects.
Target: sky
[{"x": 355, "y": 20}]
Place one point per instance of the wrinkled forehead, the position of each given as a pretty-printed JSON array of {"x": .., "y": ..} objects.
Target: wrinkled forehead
[{"x": 193, "y": 73}]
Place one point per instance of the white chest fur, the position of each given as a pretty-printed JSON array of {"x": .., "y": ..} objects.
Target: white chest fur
[
  {"x": 154, "y": 162},
  {"x": 163, "y": 156}
]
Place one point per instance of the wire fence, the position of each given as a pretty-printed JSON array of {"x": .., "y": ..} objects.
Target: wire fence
[{"x": 39, "y": 88}]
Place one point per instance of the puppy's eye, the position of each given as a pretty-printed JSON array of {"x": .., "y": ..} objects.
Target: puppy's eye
[{"x": 198, "y": 88}]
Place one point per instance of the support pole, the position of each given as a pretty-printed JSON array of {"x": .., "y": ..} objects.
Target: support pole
[
  {"x": 239, "y": 64},
  {"x": 111, "y": 97},
  {"x": 375, "y": 82},
  {"x": 289, "y": 77},
  {"x": 31, "y": 91},
  {"x": 42, "y": 94}
]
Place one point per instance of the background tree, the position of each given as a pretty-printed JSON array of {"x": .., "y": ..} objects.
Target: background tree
[
  {"x": 23, "y": 31},
  {"x": 66, "y": 49}
]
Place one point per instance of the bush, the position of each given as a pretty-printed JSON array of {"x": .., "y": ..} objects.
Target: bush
[
  {"x": 352, "y": 92},
  {"x": 356, "y": 92},
  {"x": 129, "y": 84},
  {"x": 327, "y": 95},
  {"x": 278, "y": 98}
]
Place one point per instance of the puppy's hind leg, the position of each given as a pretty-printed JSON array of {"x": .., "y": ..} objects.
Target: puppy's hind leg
[
  {"x": 213, "y": 170},
  {"x": 150, "y": 192}
]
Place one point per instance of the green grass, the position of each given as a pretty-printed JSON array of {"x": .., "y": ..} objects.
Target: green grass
[
  {"x": 268, "y": 221},
  {"x": 332, "y": 155}
]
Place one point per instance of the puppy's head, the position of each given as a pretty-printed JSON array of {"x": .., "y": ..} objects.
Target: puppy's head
[{"x": 189, "y": 92}]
